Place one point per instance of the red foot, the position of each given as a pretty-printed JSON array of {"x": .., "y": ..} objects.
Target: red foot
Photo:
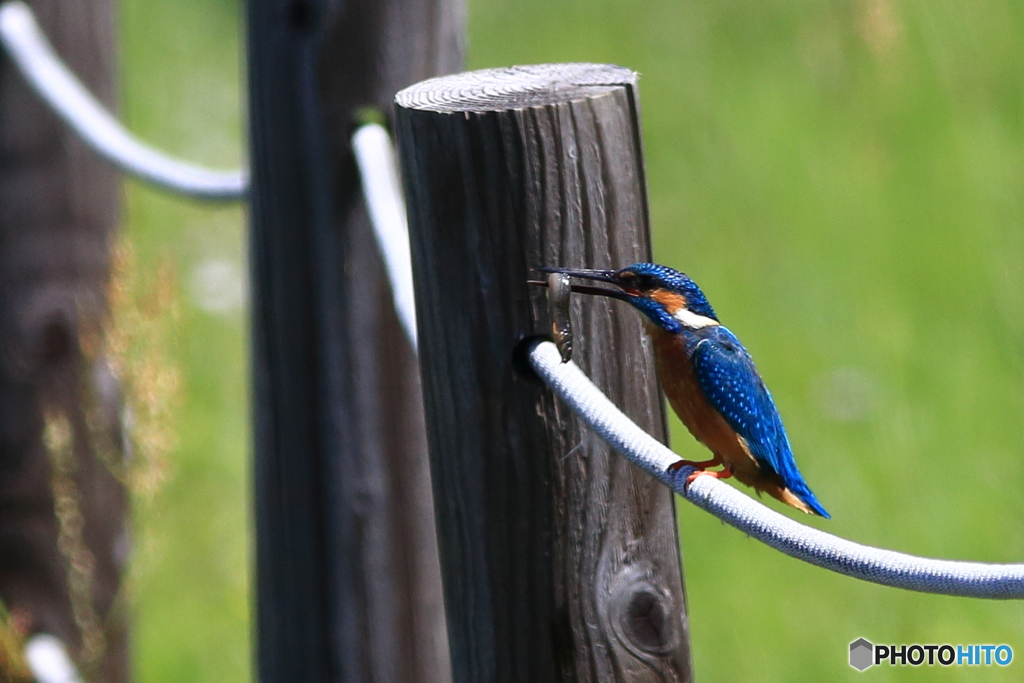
[
  {"x": 699, "y": 464},
  {"x": 719, "y": 474}
]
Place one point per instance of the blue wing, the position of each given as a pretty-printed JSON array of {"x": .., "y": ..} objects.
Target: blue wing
[{"x": 728, "y": 378}]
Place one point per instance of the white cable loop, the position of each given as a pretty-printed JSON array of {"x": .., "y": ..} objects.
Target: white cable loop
[
  {"x": 48, "y": 660},
  {"x": 887, "y": 567},
  {"x": 378, "y": 170},
  {"x": 71, "y": 101}
]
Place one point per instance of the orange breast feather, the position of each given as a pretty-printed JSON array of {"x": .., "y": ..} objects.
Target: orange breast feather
[{"x": 686, "y": 398}]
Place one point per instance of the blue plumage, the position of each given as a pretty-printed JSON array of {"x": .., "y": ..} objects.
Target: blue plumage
[
  {"x": 732, "y": 385},
  {"x": 651, "y": 275},
  {"x": 710, "y": 380}
]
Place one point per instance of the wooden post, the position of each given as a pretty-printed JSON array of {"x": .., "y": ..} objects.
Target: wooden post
[
  {"x": 560, "y": 560},
  {"x": 347, "y": 577},
  {"x": 62, "y": 512}
]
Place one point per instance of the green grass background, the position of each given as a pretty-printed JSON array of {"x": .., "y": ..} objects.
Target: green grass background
[
  {"x": 846, "y": 182},
  {"x": 181, "y": 88}
]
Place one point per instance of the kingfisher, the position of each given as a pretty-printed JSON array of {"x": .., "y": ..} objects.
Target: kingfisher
[{"x": 710, "y": 381}]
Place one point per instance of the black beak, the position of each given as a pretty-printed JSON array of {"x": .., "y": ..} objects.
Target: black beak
[
  {"x": 588, "y": 274},
  {"x": 585, "y": 273}
]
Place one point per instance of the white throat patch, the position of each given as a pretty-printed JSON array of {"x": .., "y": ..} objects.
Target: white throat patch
[{"x": 693, "y": 321}]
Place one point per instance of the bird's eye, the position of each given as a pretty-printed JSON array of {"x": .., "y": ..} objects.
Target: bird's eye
[{"x": 645, "y": 282}]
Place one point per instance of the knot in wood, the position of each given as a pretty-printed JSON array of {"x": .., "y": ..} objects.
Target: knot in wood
[
  {"x": 643, "y": 618},
  {"x": 45, "y": 334}
]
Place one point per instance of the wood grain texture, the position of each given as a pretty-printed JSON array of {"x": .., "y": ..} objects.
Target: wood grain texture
[
  {"x": 58, "y": 215},
  {"x": 560, "y": 560},
  {"x": 348, "y": 582}
]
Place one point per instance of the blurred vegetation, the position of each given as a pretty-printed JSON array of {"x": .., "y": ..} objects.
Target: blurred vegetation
[
  {"x": 181, "y": 90},
  {"x": 846, "y": 182}
]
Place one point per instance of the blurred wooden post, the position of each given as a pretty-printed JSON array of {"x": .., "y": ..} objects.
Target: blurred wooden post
[
  {"x": 560, "y": 560},
  {"x": 60, "y": 564},
  {"x": 347, "y": 578}
]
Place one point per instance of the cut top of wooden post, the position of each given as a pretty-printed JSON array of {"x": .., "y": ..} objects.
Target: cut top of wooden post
[{"x": 515, "y": 87}]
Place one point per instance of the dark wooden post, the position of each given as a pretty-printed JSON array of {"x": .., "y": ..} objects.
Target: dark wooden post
[
  {"x": 347, "y": 580},
  {"x": 62, "y": 512},
  {"x": 560, "y": 560}
]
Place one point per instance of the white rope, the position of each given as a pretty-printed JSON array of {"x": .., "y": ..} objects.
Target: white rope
[
  {"x": 48, "y": 660},
  {"x": 71, "y": 101},
  {"x": 378, "y": 170},
  {"x": 887, "y": 567}
]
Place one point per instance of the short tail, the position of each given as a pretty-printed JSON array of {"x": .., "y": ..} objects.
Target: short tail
[{"x": 800, "y": 497}]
